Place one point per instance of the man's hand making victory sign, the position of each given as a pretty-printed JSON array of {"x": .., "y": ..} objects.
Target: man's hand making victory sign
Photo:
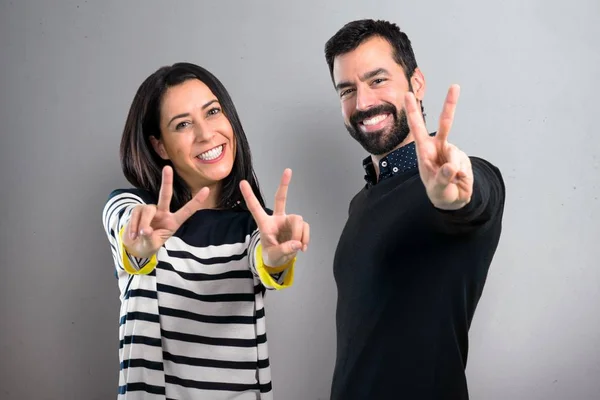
[
  {"x": 445, "y": 171},
  {"x": 281, "y": 235}
]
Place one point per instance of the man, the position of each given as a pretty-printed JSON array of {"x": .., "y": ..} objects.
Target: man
[{"x": 412, "y": 260}]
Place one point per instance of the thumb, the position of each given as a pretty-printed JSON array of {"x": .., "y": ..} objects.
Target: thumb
[
  {"x": 445, "y": 175},
  {"x": 279, "y": 255},
  {"x": 290, "y": 247}
]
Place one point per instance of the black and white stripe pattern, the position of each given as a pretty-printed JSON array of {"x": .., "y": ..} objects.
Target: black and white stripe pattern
[{"x": 193, "y": 327}]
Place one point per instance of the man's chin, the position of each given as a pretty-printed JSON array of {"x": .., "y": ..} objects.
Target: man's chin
[
  {"x": 385, "y": 140},
  {"x": 379, "y": 151},
  {"x": 382, "y": 146}
]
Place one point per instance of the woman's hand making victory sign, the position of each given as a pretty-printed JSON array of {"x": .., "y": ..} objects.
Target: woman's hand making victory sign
[
  {"x": 150, "y": 226},
  {"x": 281, "y": 235}
]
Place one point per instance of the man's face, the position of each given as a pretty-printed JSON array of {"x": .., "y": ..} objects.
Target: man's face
[{"x": 371, "y": 86}]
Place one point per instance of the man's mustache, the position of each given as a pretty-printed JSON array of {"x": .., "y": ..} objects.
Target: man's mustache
[{"x": 360, "y": 116}]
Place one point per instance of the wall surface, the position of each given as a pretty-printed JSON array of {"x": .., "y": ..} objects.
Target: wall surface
[{"x": 528, "y": 72}]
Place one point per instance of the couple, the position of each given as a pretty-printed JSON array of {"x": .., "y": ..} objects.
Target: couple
[{"x": 195, "y": 247}]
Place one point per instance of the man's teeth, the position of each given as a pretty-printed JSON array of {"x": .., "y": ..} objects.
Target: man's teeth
[
  {"x": 374, "y": 120},
  {"x": 211, "y": 154}
]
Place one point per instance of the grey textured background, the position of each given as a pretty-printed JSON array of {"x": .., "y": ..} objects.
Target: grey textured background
[{"x": 529, "y": 100}]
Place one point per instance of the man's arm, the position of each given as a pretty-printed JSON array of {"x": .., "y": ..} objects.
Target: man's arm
[{"x": 486, "y": 204}]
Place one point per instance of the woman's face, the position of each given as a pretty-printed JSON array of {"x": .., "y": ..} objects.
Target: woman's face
[{"x": 196, "y": 136}]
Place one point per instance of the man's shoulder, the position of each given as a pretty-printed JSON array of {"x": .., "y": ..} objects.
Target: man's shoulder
[
  {"x": 358, "y": 197},
  {"x": 480, "y": 161},
  {"x": 486, "y": 169}
]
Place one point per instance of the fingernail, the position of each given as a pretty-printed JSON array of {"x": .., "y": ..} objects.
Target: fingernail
[
  {"x": 132, "y": 235},
  {"x": 141, "y": 232},
  {"x": 446, "y": 171}
]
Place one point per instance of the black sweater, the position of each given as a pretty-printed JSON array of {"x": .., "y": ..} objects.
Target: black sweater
[{"x": 409, "y": 277}]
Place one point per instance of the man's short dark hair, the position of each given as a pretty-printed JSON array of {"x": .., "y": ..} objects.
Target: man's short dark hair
[{"x": 354, "y": 33}]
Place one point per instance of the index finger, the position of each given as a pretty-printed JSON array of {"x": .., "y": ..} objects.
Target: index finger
[
  {"x": 447, "y": 116},
  {"x": 416, "y": 123},
  {"x": 196, "y": 203},
  {"x": 166, "y": 189},
  {"x": 252, "y": 202},
  {"x": 281, "y": 194}
]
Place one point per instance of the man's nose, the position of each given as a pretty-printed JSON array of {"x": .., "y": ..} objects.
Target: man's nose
[{"x": 365, "y": 98}]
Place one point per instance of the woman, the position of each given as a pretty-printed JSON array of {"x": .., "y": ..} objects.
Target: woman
[{"x": 193, "y": 246}]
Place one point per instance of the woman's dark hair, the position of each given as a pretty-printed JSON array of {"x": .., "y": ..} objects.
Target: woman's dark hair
[{"x": 143, "y": 167}]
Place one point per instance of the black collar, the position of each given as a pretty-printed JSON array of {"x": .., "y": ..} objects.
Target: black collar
[{"x": 401, "y": 160}]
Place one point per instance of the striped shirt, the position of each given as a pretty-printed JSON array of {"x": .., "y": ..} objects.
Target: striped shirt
[{"x": 192, "y": 318}]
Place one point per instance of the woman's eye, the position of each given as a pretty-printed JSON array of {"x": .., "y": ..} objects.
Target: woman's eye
[
  {"x": 182, "y": 125},
  {"x": 214, "y": 111}
]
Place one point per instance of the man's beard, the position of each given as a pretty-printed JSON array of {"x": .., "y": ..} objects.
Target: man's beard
[{"x": 382, "y": 141}]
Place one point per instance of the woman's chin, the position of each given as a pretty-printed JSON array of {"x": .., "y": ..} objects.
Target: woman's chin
[{"x": 214, "y": 174}]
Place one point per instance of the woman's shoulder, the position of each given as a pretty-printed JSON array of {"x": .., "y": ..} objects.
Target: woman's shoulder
[{"x": 140, "y": 195}]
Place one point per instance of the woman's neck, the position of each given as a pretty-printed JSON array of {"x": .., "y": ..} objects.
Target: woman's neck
[{"x": 213, "y": 196}]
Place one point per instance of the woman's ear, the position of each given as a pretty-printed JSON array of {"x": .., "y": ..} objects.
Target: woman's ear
[{"x": 159, "y": 147}]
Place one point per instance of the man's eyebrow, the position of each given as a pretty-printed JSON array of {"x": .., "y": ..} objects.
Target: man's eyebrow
[
  {"x": 367, "y": 75},
  {"x": 342, "y": 85},
  {"x": 371, "y": 74}
]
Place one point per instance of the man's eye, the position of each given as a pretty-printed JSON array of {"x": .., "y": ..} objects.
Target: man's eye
[{"x": 345, "y": 92}]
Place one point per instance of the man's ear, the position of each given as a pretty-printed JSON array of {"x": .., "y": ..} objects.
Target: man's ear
[
  {"x": 159, "y": 147},
  {"x": 417, "y": 81}
]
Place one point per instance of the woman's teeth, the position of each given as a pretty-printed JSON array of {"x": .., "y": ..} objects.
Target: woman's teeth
[{"x": 211, "y": 154}]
